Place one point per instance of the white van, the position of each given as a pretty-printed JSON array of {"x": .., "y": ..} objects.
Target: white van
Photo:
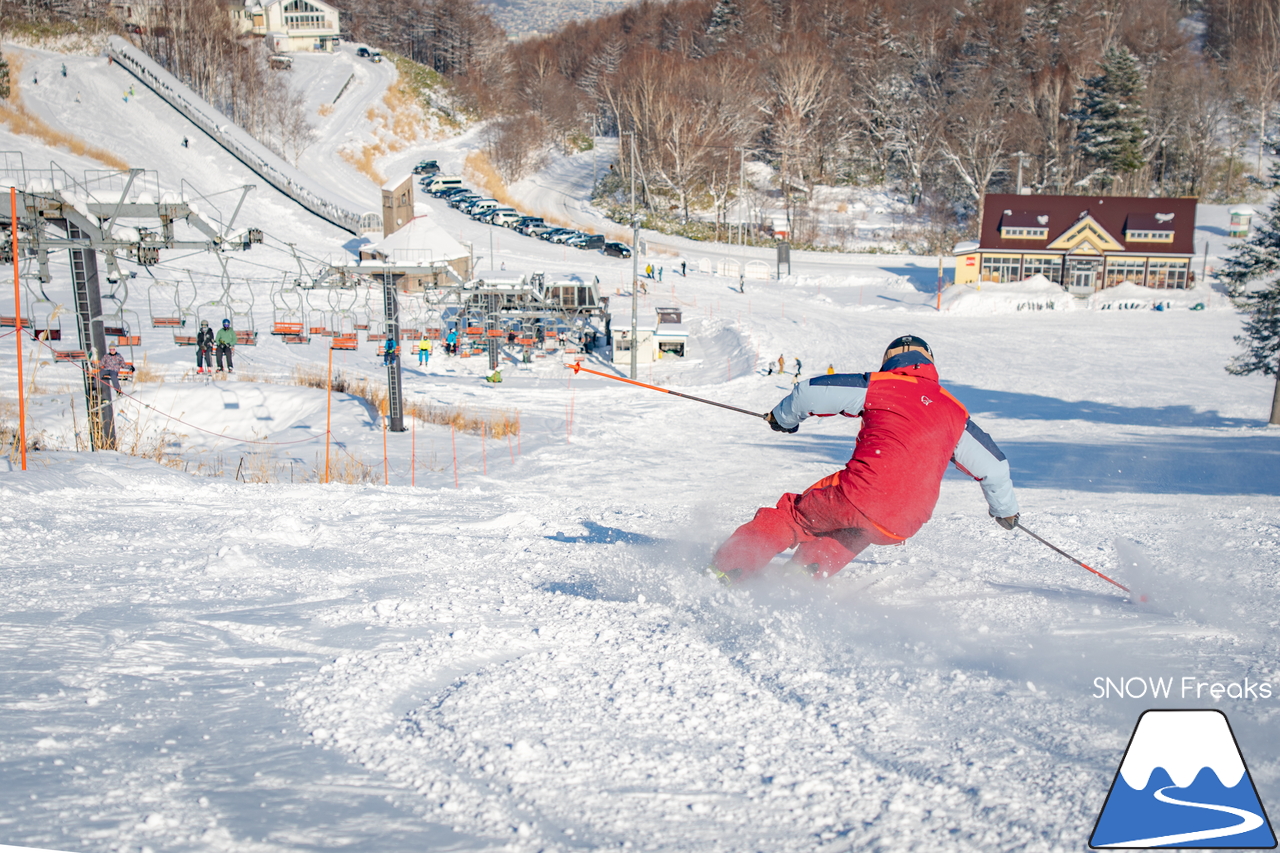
[
  {"x": 505, "y": 217},
  {"x": 440, "y": 183}
]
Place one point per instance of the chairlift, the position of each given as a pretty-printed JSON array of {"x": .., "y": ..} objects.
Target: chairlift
[
  {"x": 240, "y": 309},
  {"x": 288, "y": 317},
  {"x": 184, "y": 333},
  {"x": 163, "y": 305}
]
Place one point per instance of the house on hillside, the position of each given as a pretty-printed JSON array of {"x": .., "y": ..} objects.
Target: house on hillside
[
  {"x": 290, "y": 25},
  {"x": 1084, "y": 243}
]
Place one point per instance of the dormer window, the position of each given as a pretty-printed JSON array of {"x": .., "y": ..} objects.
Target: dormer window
[
  {"x": 1023, "y": 233},
  {"x": 1148, "y": 236}
]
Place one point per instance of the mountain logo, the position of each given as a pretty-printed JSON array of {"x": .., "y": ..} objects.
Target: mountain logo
[{"x": 1183, "y": 783}]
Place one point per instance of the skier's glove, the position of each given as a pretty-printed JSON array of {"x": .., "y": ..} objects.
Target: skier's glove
[
  {"x": 777, "y": 427},
  {"x": 1009, "y": 522}
]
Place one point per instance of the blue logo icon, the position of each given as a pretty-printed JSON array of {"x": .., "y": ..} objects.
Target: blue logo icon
[{"x": 1183, "y": 783}]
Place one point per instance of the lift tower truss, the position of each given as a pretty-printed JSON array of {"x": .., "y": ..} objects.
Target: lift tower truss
[{"x": 121, "y": 214}]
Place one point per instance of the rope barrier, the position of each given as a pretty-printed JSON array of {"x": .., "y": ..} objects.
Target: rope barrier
[{"x": 89, "y": 374}]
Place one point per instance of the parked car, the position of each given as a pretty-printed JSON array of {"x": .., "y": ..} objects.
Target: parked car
[
  {"x": 439, "y": 183},
  {"x": 587, "y": 241},
  {"x": 427, "y": 167},
  {"x": 539, "y": 229},
  {"x": 503, "y": 216},
  {"x": 550, "y": 233},
  {"x": 362, "y": 52},
  {"x": 450, "y": 193},
  {"x": 616, "y": 249},
  {"x": 525, "y": 222},
  {"x": 374, "y": 56},
  {"x": 477, "y": 205},
  {"x": 564, "y": 235},
  {"x": 457, "y": 201}
]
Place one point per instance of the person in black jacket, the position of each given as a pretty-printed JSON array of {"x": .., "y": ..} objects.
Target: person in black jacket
[{"x": 204, "y": 347}]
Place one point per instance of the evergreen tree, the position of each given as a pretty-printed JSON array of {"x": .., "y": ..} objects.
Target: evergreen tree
[
  {"x": 725, "y": 20},
  {"x": 1112, "y": 121},
  {"x": 4, "y": 78},
  {"x": 1255, "y": 260}
]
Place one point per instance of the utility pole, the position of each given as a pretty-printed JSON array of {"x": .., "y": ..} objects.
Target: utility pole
[
  {"x": 635, "y": 292},
  {"x": 1022, "y": 156},
  {"x": 635, "y": 264}
]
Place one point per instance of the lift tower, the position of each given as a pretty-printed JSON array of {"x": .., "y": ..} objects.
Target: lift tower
[{"x": 122, "y": 215}]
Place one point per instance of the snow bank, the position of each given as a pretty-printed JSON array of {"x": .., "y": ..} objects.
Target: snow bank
[
  {"x": 1034, "y": 294},
  {"x": 1130, "y": 296}
]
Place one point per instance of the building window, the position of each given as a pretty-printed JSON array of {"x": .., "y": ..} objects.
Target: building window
[
  {"x": 1167, "y": 274},
  {"x": 1024, "y": 233},
  {"x": 306, "y": 22},
  {"x": 1001, "y": 269},
  {"x": 1125, "y": 269},
  {"x": 1149, "y": 236},
  {"x": 1050, "y": 268}
]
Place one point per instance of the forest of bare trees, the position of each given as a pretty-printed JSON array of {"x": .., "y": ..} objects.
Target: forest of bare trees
[{"x": 945, "y": 99}]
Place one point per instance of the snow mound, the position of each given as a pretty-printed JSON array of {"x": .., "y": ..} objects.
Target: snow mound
[
  {"x": 1033, "y": 294},
  {"x": 1128, "y": 295}
]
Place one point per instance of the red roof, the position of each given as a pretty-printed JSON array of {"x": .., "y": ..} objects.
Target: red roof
[{"x": 1113, "y": 213}]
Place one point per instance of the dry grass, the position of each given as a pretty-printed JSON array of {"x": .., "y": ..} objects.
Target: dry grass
[
  {"x": 146, "y": 373},
  {"x": 481, "y": 172},
  {"x": 345, "y": 468},
  {"x": 364, "y": 159},
  {"x": 25, "y": 123},
  {"x": 398, "y": 123},
  {"x": 497, "y": 424},
  {"x": 325, "y": 110}
]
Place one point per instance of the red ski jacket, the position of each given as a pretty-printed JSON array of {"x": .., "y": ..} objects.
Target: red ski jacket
[{"x": 911, "y": 428}]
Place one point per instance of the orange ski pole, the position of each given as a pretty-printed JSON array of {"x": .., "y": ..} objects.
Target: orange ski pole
[
  {"x": 1072, "y": 559},
  {"x": 579, "y": 368}
]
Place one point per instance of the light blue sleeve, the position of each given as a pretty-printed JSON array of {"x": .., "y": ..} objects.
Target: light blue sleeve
[
  {"x": 839, "y": 394},
  {"x": 979, "y": 457}
]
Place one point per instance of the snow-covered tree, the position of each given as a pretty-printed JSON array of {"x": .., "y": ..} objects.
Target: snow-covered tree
[
  {"x": 725, "y": 20},
  {"x": 1252, "y": 275},
  {"x": 1112, "y": 121}
]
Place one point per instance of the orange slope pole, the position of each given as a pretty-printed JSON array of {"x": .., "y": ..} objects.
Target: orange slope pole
[{"x": 578, "y": 368}]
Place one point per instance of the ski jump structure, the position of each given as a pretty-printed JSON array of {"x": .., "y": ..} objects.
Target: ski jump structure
[{"x": 263, "y": 161}]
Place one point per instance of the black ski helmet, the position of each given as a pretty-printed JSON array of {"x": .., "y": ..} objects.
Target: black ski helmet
[{"x": 907, "y": 343}]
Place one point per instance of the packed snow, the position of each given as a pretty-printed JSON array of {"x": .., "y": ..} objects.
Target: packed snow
[{"x": 517, "y": 650}]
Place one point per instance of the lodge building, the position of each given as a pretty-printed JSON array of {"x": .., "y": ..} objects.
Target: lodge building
[{"x": 1084, "y": 243}]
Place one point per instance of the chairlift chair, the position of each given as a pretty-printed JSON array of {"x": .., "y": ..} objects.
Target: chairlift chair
[{"x": 163, "y": 305}]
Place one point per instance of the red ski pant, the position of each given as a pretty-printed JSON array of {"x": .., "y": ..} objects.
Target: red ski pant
[{"x": 826, "y": 530}]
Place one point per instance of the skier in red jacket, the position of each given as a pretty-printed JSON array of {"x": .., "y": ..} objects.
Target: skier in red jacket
[{"x": 911, "y": 429}]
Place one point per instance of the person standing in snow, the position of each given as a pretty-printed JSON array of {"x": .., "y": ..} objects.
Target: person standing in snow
[
  {"x": 911, "y": 428},
  {"x": 225, "y": 340},
  {"x": 109, "y": 370},
  {"x": 798, "y": 368},
  {"x": 204, "y": 348},
  {"x": 782, "y": 365}
]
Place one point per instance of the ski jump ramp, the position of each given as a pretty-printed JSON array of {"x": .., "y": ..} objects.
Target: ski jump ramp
[{"x": 345, "y": 213}]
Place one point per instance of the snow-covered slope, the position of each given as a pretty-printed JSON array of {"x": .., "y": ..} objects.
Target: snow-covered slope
[{"x": 520, "y": 652}]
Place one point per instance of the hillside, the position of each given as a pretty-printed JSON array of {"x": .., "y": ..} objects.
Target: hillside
[{"x": 509, "y": 644}]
